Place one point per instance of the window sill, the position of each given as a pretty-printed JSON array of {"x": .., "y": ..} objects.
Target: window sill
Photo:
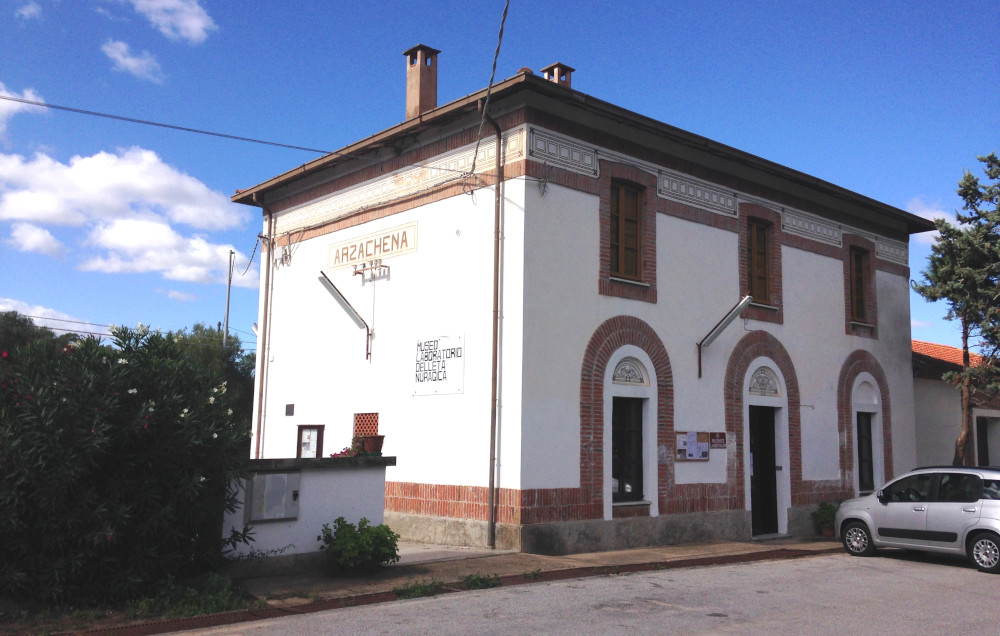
[
  {"x": 765, "y": 306},
  {"x": 861, "y": 325},
  {"x": 629, "y": 281},
  {"x": 630, "y": 509}
]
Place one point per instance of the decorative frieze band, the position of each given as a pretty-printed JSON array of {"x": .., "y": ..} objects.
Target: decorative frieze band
[
  {"x": 697, "y": 193},
  {"x": 555, "y": 149},
  {"x": 811, "y": 227},
  {"x": 892, "y": 251},
  {"x": 402, "y": 183}
]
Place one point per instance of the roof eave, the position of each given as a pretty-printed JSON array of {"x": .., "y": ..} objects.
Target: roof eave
[{"x": 575, "y": 99}]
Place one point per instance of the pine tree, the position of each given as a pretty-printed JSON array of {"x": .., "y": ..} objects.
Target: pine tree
[{"x": 964, "y": 270}]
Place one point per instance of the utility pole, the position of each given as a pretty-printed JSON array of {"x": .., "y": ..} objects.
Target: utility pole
[{"x": 229, "y": 285}]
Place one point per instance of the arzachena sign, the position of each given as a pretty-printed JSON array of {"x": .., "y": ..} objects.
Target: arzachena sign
[{"x": 389, "y": 242}]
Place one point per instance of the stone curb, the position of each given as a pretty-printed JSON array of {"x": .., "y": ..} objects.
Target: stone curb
[{"x": 242, "y": 616}]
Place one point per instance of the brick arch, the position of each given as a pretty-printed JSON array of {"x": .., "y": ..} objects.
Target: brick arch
[
  {"x": 610, "y": 336},
  {"x": 755, "y": 345},
  {"x": 858, "y": 362}
]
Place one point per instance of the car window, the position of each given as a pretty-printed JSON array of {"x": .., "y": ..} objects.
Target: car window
[
  {"x": 912, "y": 488},
  {"x": 991, "y": 489},
  {"x": 960, "y": 487}
]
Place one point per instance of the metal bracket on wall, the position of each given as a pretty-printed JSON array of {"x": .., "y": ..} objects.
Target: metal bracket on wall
[
  {"x": 721, "y": 325},
  {"x": 351, "y": 310}
]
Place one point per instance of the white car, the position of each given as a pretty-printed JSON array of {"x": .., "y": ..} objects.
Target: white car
[{"x": 940, "y": 509}]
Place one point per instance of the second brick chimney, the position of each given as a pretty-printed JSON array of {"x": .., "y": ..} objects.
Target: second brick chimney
[
  {"x": 421, "y": 80},
  {"x": 559, "y": 73}
]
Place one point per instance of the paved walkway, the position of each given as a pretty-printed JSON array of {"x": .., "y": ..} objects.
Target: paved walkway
[
  {"x": 448, "y": 564},
  {"x": 424, "y": 563}
]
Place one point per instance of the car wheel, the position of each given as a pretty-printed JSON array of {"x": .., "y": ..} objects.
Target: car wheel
[
  {"x": 984, "y": 552},
  {"x": 857, "y": 539}
]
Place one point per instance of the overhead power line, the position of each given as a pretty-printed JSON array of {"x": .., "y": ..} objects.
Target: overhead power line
[
  {"x": 161, "y": 125},
  {"x": 145, "y": 122}
]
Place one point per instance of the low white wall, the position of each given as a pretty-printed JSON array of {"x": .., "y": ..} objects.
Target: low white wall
[{"x": 326, "y": 488}]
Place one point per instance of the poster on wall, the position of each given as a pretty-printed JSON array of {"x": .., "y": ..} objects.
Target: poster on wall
[
  {"x": 692, "y": 446},
  {"x": 439, "y": 366}
]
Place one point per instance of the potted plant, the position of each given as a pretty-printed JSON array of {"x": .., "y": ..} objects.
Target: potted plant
[
  {"x": 823, "y": 516},
  {"x": 372, "y": 444}
]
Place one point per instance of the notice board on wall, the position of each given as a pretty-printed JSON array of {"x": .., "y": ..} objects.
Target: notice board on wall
[{"x": 693, "y": 446}]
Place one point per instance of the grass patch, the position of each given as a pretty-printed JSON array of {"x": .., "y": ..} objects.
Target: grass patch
[
  {"x": 533, "y": 574},
  {"x": 208, "y": 595},
  {"x": 416, "y": 589},
  {"x": 479, "y": 582},
  {"x": 204, "y": 595}
]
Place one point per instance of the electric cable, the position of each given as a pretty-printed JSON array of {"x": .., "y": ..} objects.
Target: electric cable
[
  {"x": 161, "y": 125},
  {"x": 251, "y": 257},
  {"x": 146, "y": 122},
  {"x": 489, "y": 89}
]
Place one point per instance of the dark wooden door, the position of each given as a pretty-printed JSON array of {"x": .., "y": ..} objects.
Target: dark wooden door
[{"x": 763, "y": 481}]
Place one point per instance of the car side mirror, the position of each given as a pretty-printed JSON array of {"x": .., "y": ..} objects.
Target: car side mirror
[{"x": 882, "y": 496}]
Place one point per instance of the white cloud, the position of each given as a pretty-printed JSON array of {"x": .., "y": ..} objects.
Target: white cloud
[
  {"x": 29, "y": 11},
  {"x": 134, "y": 183},
  {"x": 130, "y": 206},
  {"x": 931, "y": 211},
  {"x": 138, "y": 246},
  {"x": 920, "y": 324},
  {"x": 8, "y": 108},
  {"x": 177, "y": 19},
  {"x": 143, "y": 66},
  {"x": 180, "y": 296},
  {"x": 31, "y": 238},
  {"x": 45, "y": 317}
]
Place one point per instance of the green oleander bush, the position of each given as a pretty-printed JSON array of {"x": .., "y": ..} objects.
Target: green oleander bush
[
  {"x": 352, "y": 549},
  {"x": 115, "y": 468}
]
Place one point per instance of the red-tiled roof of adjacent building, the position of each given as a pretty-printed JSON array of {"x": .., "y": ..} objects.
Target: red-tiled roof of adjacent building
[{"x": 944, "y": 353}]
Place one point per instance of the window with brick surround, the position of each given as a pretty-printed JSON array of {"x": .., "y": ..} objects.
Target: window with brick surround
[
  {"x": 760, "y": 262},
  {"x": 859, "y": 283},
  {"x": 860, "y": 296},
  {"x": 626, "y": 230},
  {"x": 627, "y": 246},
  {"x": 758, "y": 253}
]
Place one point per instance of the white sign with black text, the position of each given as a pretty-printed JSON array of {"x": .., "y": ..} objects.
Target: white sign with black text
[{"x": 439, "y": 366}]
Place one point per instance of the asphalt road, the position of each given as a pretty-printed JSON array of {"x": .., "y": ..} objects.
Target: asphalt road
[{"x": 896, "y": 593}]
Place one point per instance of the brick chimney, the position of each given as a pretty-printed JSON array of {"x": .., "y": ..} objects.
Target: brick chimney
[
  {"x": 559, "y": 73},
  {"x": 421, "y": 80}
]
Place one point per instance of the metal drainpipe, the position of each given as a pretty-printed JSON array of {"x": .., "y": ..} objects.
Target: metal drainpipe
[
  {"x": 491, "y": 535},
  {"x": 265, "y": 325}
]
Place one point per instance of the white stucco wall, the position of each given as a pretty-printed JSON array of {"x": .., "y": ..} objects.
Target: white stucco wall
[
  {"x": 316, "y": 351},
  {"x": 551, "y": 308},
  {"x": 939, "y": 419},
  {"x": 697, "y": 283},
  {"x": 353, "y": 492}
]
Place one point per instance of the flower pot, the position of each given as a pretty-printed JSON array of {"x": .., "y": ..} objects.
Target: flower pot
[{"x": 372, "y": 444}]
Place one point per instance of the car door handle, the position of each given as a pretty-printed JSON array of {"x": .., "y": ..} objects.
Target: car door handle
[
  {"x": 919, "y": 508},
  {"x": 973, "y": 509}
]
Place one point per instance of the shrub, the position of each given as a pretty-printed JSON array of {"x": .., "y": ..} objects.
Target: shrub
[
  {"x": 348, "y": 549},
  {"x": 416, "y": 589},
  {"x": 115, "y": 468},
  {"x": 824, "y": 515},
  {"x": 478, "y": 581}
]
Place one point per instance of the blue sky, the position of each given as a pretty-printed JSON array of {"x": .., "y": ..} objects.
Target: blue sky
[{"x": 109, "y": 222}]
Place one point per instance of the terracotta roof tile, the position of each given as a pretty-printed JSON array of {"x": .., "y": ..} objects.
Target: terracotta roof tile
[{"x": 944, "y": 353}]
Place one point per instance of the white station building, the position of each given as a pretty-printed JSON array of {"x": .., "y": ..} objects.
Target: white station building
[{"x": 579, "y": 328}]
